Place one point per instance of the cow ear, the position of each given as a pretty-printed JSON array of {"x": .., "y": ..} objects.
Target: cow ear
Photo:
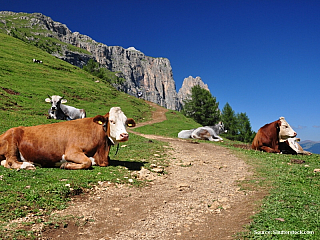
[
  {"x": 130, "y": 122},
  {"x": 48, "y": 100},
  {"x": 64, "y": 101},
  {"x": 99, "y": 120}
]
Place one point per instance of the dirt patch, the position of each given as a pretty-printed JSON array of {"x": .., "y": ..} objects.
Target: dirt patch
[
  {"x": 198, "y": 198},
  {"x": 10, "y": 91}
]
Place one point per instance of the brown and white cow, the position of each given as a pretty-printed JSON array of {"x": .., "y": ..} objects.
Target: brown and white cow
[
  {"x": 78, "y": 144},
  {"x": 268, "y": 137}
]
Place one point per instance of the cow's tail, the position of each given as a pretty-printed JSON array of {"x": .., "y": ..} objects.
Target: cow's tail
[{"x": 255, "y": 143}]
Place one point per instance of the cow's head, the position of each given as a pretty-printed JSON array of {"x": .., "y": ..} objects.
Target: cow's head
[
  {"x": 285, "y": 131},
  {"x": 55, "y": 102},
  {"x": 114, "y": 124},
  {"x": 221, "y": 128}
]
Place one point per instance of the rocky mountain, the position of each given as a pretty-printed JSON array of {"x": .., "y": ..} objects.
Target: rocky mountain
[
  {"x": 147, "y": 77},
  {"x": 311, "y": 146},
  {"x": 188, "y": 83}
]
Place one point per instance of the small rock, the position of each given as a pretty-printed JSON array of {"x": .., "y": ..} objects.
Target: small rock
[
  {"x": 226, "y": 206},
  {"x": 214, "y": 205},
  {"x": 223, "y": 199},
  {"x": 297, "y": 161},
  {"x": 182, "y": 186},
  {"x": 316, "y": 170},
  {"x": 187, "y": 164},
  {"x": 279, "y": 219},
  {"x": 158, "y": 170}
]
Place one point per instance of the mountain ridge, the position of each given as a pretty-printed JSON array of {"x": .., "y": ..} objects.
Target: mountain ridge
[{"x": 311, "y": 146}]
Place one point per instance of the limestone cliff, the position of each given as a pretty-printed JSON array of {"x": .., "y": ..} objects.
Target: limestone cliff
[{"x": 188, "y": 83}]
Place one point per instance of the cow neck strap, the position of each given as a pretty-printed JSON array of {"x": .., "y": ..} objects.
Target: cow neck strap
[
  {"x": 112, "y": 143},
  {"x": 117, "y": 149},
  {"x": 110, "y": 139}
]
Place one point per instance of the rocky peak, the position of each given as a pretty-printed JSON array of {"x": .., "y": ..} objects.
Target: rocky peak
[{"x": 187, "y": 85}]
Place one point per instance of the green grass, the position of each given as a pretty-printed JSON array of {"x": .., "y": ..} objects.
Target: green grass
[
  {"x": 294, "y": 196},
  {"x": 171, "y": 127}
]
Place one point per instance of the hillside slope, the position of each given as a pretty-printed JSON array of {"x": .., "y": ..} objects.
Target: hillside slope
[
  {"x": 151, "y": 77},
  {"x": 24, "y": 85}
]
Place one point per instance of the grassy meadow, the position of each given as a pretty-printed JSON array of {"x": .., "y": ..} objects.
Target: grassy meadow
[{"x": 289, "y": 211}]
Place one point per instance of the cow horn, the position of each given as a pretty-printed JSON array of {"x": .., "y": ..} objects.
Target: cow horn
[{"x": 49, "y": 96}]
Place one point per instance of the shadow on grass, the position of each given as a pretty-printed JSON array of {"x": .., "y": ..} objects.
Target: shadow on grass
[{"x": 132, "y": 166}]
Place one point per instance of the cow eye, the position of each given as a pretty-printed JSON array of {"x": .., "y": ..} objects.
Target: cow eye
[{"x": 111, "y": 121}]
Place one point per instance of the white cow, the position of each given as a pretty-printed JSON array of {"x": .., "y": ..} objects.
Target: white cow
[
  {"x": 63, "y": 112},
  {"x": 210, "y": 133}
]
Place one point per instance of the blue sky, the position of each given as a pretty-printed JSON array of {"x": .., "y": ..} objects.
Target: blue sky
[{"x": 262, "y": 57}]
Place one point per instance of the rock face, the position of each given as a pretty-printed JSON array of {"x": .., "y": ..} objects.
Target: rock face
[
  {"x": 146, "y": 77},
  {"x": 188, "y": 83}
]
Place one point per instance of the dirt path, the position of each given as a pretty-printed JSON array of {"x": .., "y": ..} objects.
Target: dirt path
[{"x": 197, "y": 199}]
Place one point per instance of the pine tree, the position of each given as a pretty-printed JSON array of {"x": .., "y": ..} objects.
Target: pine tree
[
  {"x": 202, "y": 107},
  {"x": 238, "y": 125},
  {"x": 245, "y": 133},
  {"x": 229, "y": 120}
]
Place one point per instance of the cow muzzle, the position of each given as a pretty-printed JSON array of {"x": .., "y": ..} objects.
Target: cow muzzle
[{"x": 124, "y": 137}]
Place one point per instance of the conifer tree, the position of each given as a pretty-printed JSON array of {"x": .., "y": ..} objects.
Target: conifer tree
[
  {"x": 202, "y": 107},
  {"x": 245, "y": 133},
  {"x": 237, "y": 125},
  {"x": 229, "y": 120}
]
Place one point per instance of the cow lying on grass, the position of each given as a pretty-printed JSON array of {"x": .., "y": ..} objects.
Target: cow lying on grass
[
  {"x": 277, "y": 137},
  {"x": 268, "y": 137},
  {"x": 36, "y": 61},
  {"x": 76, "y": 144},
  {"x": 204, "y": 133},
  {"x": 63, "y": 112}
]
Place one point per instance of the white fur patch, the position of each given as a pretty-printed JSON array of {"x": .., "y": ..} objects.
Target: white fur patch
[
  {"x": 22, "y": 158},
  {"x": 26, "y": 164},
  {"x": 93, "y": 162}
]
